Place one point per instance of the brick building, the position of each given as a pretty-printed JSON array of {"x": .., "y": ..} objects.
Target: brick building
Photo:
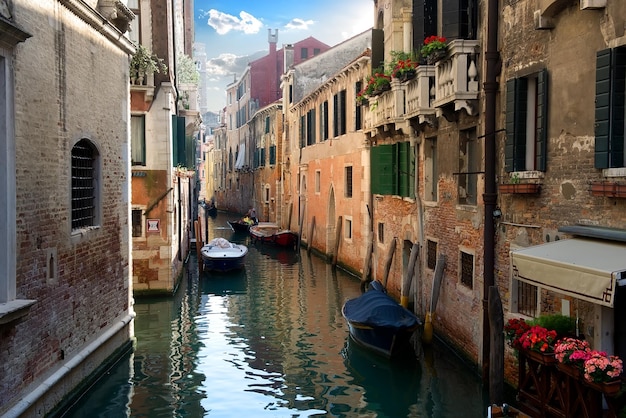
[
  {"x": 325, "y": 158},
  {"x": 256, "y": 88},
  {"x": 65, "y": 290},
  {"x": 560, "y": 241},
  {"x": 165, "y": 123}
]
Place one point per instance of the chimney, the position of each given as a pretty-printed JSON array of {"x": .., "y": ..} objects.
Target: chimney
[{"x": 272, "y": 39}]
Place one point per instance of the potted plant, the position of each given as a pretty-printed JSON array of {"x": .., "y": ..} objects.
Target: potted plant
[
  {"x": 403, "y": 66},
  {"x": 434, "y": 49},
  {"x": 602, "y": 372},
  {"x": 571, "y": 354},
  {"x": 376, "y": 84},
  {"x": 538, "y": 344},
  {"x": 145, "y": 63},
  {"x": 513, "y": 331}
]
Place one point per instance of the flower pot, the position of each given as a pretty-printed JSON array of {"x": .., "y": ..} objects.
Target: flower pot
[
  {"x": 608, "y": 388},
  {"x": 435, "y": 56},
  {"x": 381, "y": 89},
  {"x": 541, "y": 358},
  {"x": 569, "y": 370},
  {"x": 406, "y": 76},
  {"x": 522, "y": 188}
]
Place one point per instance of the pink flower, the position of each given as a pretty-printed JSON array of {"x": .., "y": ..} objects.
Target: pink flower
[{"x": 600, "y": 367}]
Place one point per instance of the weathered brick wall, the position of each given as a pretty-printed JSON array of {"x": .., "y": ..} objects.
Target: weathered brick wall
[{"x": 70, "y": 84}]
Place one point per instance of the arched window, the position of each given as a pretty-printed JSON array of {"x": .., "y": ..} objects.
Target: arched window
[{"x": 84, "y": 184}]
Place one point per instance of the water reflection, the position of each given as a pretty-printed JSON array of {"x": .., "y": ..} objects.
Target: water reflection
[{"x": 270, "y": 341}]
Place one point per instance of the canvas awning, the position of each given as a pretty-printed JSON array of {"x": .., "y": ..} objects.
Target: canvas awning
[{"x": 586, "y": 269}]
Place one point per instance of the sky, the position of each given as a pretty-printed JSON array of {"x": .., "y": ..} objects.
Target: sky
[{"x": 236, "y": 32}]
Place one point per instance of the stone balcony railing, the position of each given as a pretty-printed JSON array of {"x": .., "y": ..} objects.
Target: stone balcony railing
[
  {"x": 386, "y": 108},
  {"x": 451, "y": 83},
  {"x": 420, "y": 93},
  {"x": 457, "y": 77}
]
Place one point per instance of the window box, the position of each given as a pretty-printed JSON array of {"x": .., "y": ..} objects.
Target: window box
[
  {"x": 519, "y": 188},
  {"x": 608, "y": 189}
]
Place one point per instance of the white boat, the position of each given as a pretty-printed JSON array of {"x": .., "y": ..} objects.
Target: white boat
[{"x": 221, "y": 255}]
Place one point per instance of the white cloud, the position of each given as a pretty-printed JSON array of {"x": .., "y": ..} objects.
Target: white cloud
[
  {"x": 299, "y": 24},
  {"x": 229, "y": 64},
  {"x": 224, "y": 23}
]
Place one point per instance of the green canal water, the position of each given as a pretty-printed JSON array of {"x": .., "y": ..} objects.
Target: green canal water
[{"x": 270, "y": 341}]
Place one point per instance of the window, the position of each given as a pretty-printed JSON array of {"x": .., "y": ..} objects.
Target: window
[
  {"x": 316, "y": 51},
  {"x": 134, "y": 31},
  {"x": 317, "y": 181},
  {"x": 358, "y": 109},
  {"x": 137, "y": 219},
  {"x": 610, "y": 148},
  {"x": 266, "y": 193},
  {"x": 526, "y": 123},
  {"x": 138, "y": 140},
  {"x": 310, "y": 127},
  {"x": 430, "y": 169},
  {"x": 267, "y": 124},
  {"x": 303, "y": 131},
  {"x": 324, "y": 120},
  {"x": 348, "y": 184},
  {"x": 431, "y": 254},
  {"x": 339, "y": 113},
  {"x": 524, "y": 297},
  {"x": 272, "y": 154},
  {"x": 467, "y": 269},
  {"x": 348, "y": 228},
  {"x": 381, "y": 232},
  {"x": 304, "y": 53},
  {"x": 393, "y": 169},
  {"x": 84, "y": 184},
  {"x": 469, "y": 166}
]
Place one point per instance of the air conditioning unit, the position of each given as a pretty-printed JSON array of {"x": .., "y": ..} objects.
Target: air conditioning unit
[{"x": 592, "y": 4}]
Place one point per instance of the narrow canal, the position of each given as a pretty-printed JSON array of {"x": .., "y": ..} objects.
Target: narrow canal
[{"x": 271, "y": 341}]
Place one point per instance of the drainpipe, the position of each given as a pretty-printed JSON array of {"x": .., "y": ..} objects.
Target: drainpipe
[{"x": 492, "y": 60}]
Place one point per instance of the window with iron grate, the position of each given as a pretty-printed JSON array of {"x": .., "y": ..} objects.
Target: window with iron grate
[
  {"x": 467, "y": 269},
  {"x": 431, "y": 254},
  {"x": 84, "y": 165}
]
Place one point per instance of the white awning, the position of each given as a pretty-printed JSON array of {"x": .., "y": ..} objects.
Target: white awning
[
  {"x": 582, "y": 268},
  {"x": 241, "y": 157}
]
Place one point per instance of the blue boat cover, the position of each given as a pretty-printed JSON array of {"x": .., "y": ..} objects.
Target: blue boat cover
[{"x": 378, "y": 309}]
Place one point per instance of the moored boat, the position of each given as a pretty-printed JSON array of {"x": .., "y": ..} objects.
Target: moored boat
[
  {"x": 221, "y": 255},
  {"x": 241, "y": 225},
  {"x": 378, "y": 322},
  {"x": 269, "y": 232}
]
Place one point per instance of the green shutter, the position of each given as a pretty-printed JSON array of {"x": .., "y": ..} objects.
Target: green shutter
[
  {"x": 335, "y": 116},
  {"x": 262, "y": 157},
  {"x": 382, "y": 169},
  {"x": 178, "y": 141},
  {"x": 343, "y": 114},
  {"x": 403, "y": 149},
  {"x": 603, "y": 108},
  {"x": 542, "y": 121},
  {"x": 412, "y": 166},
  {"x": 618, "y": 93},
  {"x": 515, "y": 123},
  {"x": 256, "y": 158},
  {"x": 272, "y": 154}
]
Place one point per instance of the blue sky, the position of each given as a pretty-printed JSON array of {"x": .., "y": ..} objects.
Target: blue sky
[{"x": 232, "y": 31}]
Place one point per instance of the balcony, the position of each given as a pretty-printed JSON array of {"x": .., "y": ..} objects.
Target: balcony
[
  {"x": 385, "y": 109},
  {"x": 420, "y": 93},
  {"x": 141, "y": 91},
  {"x": 456, "y": 78}
]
